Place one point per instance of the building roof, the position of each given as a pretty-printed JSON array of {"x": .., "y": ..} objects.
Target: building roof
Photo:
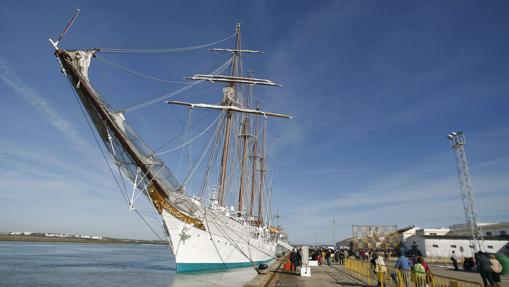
[
  {"x": 449, "y": 237},
  {"x": 404, "y": 229}
]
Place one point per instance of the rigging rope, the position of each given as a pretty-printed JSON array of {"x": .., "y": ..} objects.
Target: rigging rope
[
  {"x": 169, "y": 95},
  {"x": 124, "y": 192},
  {"x": 235, "y": 245},
  {"x": 138, "y": 73},
  {"x": 192, "y": 171},
  {"x": 149, "y": 226},
  {"x": 193, "y": 139},
  {"x": 185, "y": 139},
  {"x": 97, "y": 141},
  {"x": 178, "y": 135},
  {"x": 156, "y": 51}
]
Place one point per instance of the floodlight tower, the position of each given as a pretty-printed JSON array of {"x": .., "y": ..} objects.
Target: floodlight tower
[{"x": 457, "y": 140}]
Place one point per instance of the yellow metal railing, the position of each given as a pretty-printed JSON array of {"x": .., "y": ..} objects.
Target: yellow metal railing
[{"x": 363, "y": 270}]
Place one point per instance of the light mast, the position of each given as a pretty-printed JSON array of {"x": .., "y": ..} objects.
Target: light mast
[{"x": 457, "y": 140}]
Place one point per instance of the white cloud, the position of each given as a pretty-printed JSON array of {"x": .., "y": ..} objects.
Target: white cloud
[
  {"x": 41, "y": 192},
  {"x": 9, "y": 76}
]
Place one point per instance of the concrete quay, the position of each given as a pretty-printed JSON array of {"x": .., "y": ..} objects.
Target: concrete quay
[{"x": 323, "y": 276}]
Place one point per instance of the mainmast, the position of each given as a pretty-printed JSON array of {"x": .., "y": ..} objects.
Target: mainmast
[
  {"x": 228, "y": 100},
  {"x": 245, "y": 135},
  {"x": 254, "y": 157},
  {"x": 231, "y": 104},
  {"x": 262, "y": 176}
]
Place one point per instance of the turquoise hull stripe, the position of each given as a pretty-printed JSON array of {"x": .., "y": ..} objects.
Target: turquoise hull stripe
[{"x": 189, "y": 267}]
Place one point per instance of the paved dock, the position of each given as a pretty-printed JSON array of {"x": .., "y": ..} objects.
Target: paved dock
[
  {"x": 320, "y": 276},
  {"x": 336, "y": 275}
]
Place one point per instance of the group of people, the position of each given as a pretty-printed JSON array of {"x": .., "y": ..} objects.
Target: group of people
[
  {"x": 295, "y": 259},
  {"x": 489, "y": 268},
  {"x": 487, "y": 265},
  {"x": 412, "y": 268},
  {"x": 328, "y": 255},
  {"x": 415, "y": 268}
]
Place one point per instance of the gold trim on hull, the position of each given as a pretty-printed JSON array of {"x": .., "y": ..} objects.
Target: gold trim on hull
[{"x": 161, "y": 203}]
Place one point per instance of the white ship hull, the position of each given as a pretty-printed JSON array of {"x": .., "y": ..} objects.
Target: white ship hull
[{"x": 226, "y": 243}]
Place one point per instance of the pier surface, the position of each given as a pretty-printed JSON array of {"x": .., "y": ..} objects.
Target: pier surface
[
  {"x": 322, "y": 275},
  {"x": 336, "y": 275}
]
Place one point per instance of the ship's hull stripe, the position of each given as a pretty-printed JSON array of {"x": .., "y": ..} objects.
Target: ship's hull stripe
[{"x": 189, "y": 267}]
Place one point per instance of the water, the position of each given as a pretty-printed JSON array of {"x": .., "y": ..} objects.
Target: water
[{"x": 108, "y": 265}]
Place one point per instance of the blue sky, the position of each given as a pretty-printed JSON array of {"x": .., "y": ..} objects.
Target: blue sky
[{"x": 373, "y": 86}]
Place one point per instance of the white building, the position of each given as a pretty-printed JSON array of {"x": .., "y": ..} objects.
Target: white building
[
  {"x": 442, "y": 246},
  {"x": 440, "y": 242},
  {"x": 488, "y": 229},
  {"x": 406, "y": 232}
]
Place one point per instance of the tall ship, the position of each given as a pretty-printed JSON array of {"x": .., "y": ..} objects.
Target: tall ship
[{"x": 202, "y": 230}]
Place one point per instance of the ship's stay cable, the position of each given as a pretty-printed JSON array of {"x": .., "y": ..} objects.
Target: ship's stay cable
[
  {"x": 210, "y": 234},
  {"x": 159, "y": 51},
  {"x": 178, "y": 118},
  {"x": 97, "y": 141},
  {"x": 123, "y": 180},
  {"x": 122, "y": 192},
  {"x": 121, "y": 67},
  {"x": 149, "y": 226},
  {"x": 185, "y": 139},
  {"x": 146, "y": 213},
  {"x": 169, "y": 95},
  {"x": 176, "y": 136},
  {"x": 162, "y": 225},
  {"x": 203, "y": 153},
  {"x": 234, "y": 244},
  {"x": 193, "y": 139},
  {"x": 212, "y": 157},
  {"x": 186, "y": 136}
]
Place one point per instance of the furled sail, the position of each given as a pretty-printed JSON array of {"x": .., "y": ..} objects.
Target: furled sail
[{"x": 135, "y": 159}]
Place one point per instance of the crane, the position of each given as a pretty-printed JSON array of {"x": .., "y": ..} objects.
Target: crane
[{"x": 457, "y": 141}]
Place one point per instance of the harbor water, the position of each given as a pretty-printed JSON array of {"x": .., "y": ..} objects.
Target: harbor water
[{"x": 109, "y": 265}]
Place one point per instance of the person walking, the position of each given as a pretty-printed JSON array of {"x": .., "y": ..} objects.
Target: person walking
[
  {"x": 293, "y": 260},
  {"x": 496, "y": 270},
  {"x": 454, "y": 259},
  {"x": 341, "y": 258},
  {"x": 380, "y": 269},
  {"x": 327, "y": 257},
  {"x": 404, "y": 267},
  {"x": 299, "y": 257},
  {"x": 484, "y": 268}
]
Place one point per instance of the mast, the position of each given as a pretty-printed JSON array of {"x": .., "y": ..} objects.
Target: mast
[
  {"x": 254, "y": 159},
  {"x": 245, "y": 136},
  {"x": 262, "y": 177},
  {"x": 231, "y": 104},
  {"x": 228, "y": 100}
]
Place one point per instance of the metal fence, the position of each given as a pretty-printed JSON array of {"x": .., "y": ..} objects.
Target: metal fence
[{"x": 395, "y": 277}]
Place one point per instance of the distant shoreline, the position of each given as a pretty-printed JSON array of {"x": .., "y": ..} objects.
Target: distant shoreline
[{"x": 29, "y": 238}]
